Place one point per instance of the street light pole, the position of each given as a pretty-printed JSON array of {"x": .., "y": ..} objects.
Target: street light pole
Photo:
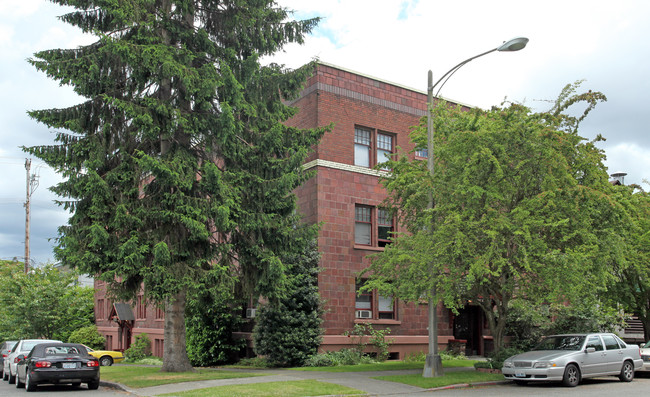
[{"x": 433, "y": 364}]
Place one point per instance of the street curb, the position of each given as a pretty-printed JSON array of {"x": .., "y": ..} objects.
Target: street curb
[
  {"x": 117, "y": 386},
  {"x": 467, "y": 385}
]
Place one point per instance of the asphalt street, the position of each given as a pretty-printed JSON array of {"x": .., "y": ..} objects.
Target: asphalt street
[{"x": 606, "y": 386}]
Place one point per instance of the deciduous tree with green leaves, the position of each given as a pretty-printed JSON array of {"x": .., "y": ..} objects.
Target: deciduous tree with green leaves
[
  {"x": 44, "y": 303},
  {"x": 521, "y": 209},
  {"x": 177, "y": 162},
  {"x": 632, "y": 267}
]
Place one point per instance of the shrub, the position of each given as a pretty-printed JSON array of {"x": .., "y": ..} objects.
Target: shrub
[
  {"x": 141, "y": 348},
  {"x": 496, "y": 359},
  {"x": 88, "y": 336},
  {"x": 254, "y": 362},
  {"x": 150, "y": 361},
  {"x": 450, "y": 355},
  {"x": 377, "y": 338},
  {"x": 341, "y": 357},
  {"x": 415, "y": 357}
]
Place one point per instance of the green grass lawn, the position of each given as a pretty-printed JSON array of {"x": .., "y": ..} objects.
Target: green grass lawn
[
  {"x": 387, "y": 366},
  {"x": 450, "y": 378},
  {"x": 136, "y": 377},
  {"x": 280, "y": 389}
]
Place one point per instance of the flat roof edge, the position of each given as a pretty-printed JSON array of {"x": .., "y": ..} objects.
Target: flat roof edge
[{"x": 331, "y": 65}]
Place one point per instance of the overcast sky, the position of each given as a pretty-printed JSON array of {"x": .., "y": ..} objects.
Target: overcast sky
[{"x": 606, "y": 43}]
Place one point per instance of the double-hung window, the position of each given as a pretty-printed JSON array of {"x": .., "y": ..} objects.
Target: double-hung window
[
  {"x": 362, "y": 144},
  {"x": 371, "y": 305},
  {"x": 363, "y": 225},
  {"x": 372, "y": 147},
  {"x": 372, "y": 226},
  {"x": 384, "y": 227},
  {"x": 384, "y": 148}
]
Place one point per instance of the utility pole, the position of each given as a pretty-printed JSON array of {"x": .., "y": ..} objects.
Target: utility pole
[
  {"x": 31, "y": 186},
  {"x": 28, "y": 165}
]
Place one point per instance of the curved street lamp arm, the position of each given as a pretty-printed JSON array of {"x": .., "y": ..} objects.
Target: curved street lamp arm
[{"x": 455, "y": 68}]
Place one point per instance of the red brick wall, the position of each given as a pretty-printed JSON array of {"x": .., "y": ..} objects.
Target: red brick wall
[{"x": 350, "y": 100}]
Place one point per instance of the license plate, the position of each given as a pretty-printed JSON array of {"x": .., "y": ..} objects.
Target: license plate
[
  {"x": 520, "y": 375},
  {"x": 69, "y": 365}
]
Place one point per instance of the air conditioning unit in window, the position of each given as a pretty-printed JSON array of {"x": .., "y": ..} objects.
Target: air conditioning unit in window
[
  {"x": 250, "y": 313},
  {"x": 364, "y": 314}
]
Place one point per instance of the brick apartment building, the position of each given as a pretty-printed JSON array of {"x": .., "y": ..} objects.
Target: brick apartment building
[{"x": 371, "y": 119}]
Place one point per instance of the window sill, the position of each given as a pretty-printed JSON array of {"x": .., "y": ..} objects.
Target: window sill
[
  {"x": 367, "y": 247},
  {"x": 377, "y": 321}
]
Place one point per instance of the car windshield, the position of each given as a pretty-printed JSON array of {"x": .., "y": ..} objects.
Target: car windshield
[
  {"x": 561, "y": 342},
  {"x": 27, "y": 346},
  {"x": 647, "y": 345},
  {"x": 61, "y": 350}
]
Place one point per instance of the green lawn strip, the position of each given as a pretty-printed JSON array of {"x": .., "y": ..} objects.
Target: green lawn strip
[
  {"x": 386, "y": 366},
  {"x": 296, "y": 388},
  {"x": 450, "y": 378},
  {"x": 137, "y": 377}
]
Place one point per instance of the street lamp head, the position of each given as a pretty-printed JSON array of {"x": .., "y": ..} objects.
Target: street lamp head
[{"x": 515, "y": 44}]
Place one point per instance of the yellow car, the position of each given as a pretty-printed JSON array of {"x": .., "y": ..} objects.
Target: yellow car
[{"x": 106, "y": 357}]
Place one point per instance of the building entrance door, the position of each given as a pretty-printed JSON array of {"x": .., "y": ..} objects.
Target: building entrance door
[{"x": 467, "y": 327}]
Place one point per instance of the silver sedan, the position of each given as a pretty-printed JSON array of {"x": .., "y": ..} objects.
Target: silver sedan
[{"x": 571, "y": 358}]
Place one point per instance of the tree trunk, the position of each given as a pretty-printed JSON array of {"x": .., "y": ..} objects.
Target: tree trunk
[{"x": 175, "y": 357}]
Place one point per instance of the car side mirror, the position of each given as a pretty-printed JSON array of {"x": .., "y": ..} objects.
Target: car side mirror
[
  {"x": 590, "y": 350},
  {"x": 20, "y": 357}
]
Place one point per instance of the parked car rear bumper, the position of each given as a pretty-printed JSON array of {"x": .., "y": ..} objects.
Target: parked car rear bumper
[{"x": 59, "y": 376}]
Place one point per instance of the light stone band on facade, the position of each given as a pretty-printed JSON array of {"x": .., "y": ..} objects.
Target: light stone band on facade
[
  {"x": 360, "y": 97},
  {"x": 343, "y": 167}
]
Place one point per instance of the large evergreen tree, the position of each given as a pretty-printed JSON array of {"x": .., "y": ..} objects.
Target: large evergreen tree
[
  {"x": 177, "y": 163},
  {"x": 288, "y": 331}
]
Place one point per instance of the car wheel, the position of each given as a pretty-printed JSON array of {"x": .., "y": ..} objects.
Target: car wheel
[
  {"x": 627, "y": 372},
  {"x": 94, "y": 385},
  {"x": 571, "y": 376},
  {"x": 12, "y": 378},
  {"x": 106, "y": 361},
  {"x": 29, "y": 385},
  {"x": 19, "y": 384}
]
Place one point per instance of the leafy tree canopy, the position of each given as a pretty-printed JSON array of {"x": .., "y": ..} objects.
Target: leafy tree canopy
[
  {"x": 522, "y": 208},
  {"x": 44, "y": 303},
  {"x": 632, "y": 267}
]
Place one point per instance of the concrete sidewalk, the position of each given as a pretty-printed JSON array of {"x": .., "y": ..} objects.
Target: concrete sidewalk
[{"x": 358, "y": 380}]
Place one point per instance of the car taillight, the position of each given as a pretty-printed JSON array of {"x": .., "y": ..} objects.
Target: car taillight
[
  {"x": 93, "y": 363},
  {"x": 43, "y": 364}
]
